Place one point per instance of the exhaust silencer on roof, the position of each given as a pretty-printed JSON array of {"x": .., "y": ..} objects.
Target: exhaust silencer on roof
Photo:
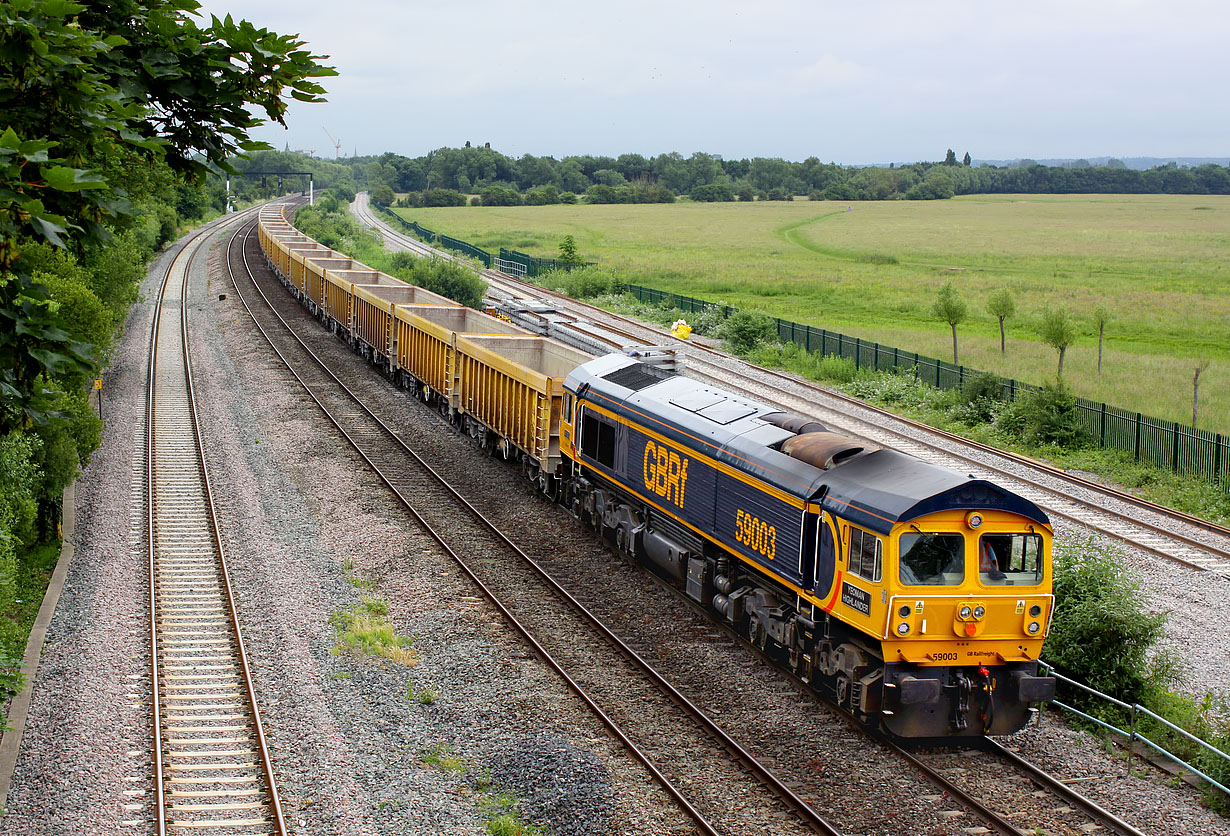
[
  {"x": 793, "y": 423},
  {"x": 822, "y": 449}
]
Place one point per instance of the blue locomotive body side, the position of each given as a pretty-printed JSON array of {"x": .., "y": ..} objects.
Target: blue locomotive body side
[{"x": 684, "y": 466}]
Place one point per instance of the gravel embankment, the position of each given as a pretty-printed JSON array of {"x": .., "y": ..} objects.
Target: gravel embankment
[
  {"x": 299, "y": 523},
  {"x": 853, "y": 778}
]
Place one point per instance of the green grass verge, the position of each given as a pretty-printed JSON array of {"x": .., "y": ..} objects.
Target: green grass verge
[
  {"x": 30, "y": 580},
  {"x": 365, "y": 629},
  {"x": 1158, "y": 263}
]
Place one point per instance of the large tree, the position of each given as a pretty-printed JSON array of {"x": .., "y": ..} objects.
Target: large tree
[{"x": 84, "y": 84}]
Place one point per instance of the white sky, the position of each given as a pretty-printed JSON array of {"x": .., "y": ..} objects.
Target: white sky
[{"x": 861, "y": 81}]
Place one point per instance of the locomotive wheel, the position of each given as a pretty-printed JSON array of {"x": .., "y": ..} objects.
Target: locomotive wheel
[
  {"x": 756, "y": 632},
  {"x": 843, "y": 690}
]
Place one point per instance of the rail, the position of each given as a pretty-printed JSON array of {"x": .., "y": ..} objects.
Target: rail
[
  {"x": 806, "y": 814},
  {"x": 1132, "y": 733},
  {"x": 1166, "y": 444}
]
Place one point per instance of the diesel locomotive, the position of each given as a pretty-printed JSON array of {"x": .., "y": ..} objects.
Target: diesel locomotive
[{"x": 913, "y": 596}]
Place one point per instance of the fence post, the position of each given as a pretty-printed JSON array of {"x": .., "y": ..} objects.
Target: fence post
[
  {"x": 1174, "y": 455},
  {"x": 858, "y": 353},
  {"x": 960, "y": 376},
  {"x": 1217, "y": 445},
  {"x": 1102, "y": 439},
  {"x": 1131, "y": 741},
  {"x": 1138, "y": 416},
  {"x": 937, "y": 374},
  {"x": 896, "y": 357}
]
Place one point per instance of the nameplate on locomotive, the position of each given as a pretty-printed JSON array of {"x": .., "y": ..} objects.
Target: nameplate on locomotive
[{"x": 855, "y": 598}]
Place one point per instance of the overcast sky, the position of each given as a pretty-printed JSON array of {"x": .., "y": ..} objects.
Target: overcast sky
[{"x": 862, "y": 81}]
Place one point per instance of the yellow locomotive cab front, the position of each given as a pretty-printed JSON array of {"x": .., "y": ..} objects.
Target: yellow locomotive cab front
[
  {"x": 968, "y": 589},
  {"x": 967, "y": 602}
]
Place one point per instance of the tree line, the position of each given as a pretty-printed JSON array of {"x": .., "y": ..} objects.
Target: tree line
[{"x": 451, "y": 176}]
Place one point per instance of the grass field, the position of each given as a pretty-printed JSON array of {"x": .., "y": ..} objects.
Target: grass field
[{"x": 1159, "y": 263}]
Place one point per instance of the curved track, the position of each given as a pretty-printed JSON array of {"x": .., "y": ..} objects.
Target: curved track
[
  {"x": 627, "y": 694},
  {"x": 1174, "y": 535},
  {"x": 720, "y": 374},
  {"x": 212, "y": 771}
]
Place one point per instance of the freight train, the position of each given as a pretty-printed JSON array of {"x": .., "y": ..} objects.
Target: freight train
[{"x": 914, "y": 597}]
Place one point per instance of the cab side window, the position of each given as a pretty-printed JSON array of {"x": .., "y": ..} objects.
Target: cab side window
[
  {"x": 589, "y": 434},
  {"x": 866, "y": 555},
  {"x": 597, "y": 439}
]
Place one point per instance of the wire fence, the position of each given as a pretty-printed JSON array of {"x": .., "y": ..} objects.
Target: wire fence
[
  {"x": 534, "y": 266},
  {"x": 1166, "y": 444},
  {"x": 447, "y": 241}
]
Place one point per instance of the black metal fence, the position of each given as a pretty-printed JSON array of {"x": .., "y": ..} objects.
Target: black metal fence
[
  {"x": 534, "y": 265},
  {"x": 446, "y": 241},
  {"x": 1166, "y": 444}
]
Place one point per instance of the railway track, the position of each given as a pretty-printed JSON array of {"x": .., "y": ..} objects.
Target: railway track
[
  {"x": 933, "y": 768},
  {"x": 624, "y": 691},
  {"x": 1060, "y": 800},
  {"x": 1152, "y": 528},
  {"x": 212, "y": 770},
  {"x": 720, "y": 374}
]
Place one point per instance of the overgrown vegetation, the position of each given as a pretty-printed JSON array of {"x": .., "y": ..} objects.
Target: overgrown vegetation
[
  {"x": 442, "y": 757},
  {"x": 1102, "y": 635},
  {"x": 500, "y": 808},
  {"x": 581, "y": 282},
  {"x": 114, "y": 113},
  {"x": 330, "y": 223}
]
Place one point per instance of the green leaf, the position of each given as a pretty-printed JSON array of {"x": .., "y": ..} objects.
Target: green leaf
[
  {"x": 49, "y": 230},
  {"x": 64, "y": 179}
]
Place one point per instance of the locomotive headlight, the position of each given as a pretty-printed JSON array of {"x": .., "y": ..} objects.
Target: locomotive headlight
[
  {"x": 973, "y": 520},
  {"x": 1035, "y": 611},
  {"x": 903, "y": 628},
  {"x": 964, "y": 613},
  {"x": 1034, "y": 627},
  {"x": 904, "y": 612},
  {"x": 979, "y": 612}
]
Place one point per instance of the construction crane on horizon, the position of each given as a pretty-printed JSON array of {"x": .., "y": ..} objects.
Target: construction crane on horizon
[{"x": 337, "y": 143}]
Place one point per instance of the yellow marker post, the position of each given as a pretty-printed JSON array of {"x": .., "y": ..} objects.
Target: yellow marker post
[{"x": 98, "y": 389}]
